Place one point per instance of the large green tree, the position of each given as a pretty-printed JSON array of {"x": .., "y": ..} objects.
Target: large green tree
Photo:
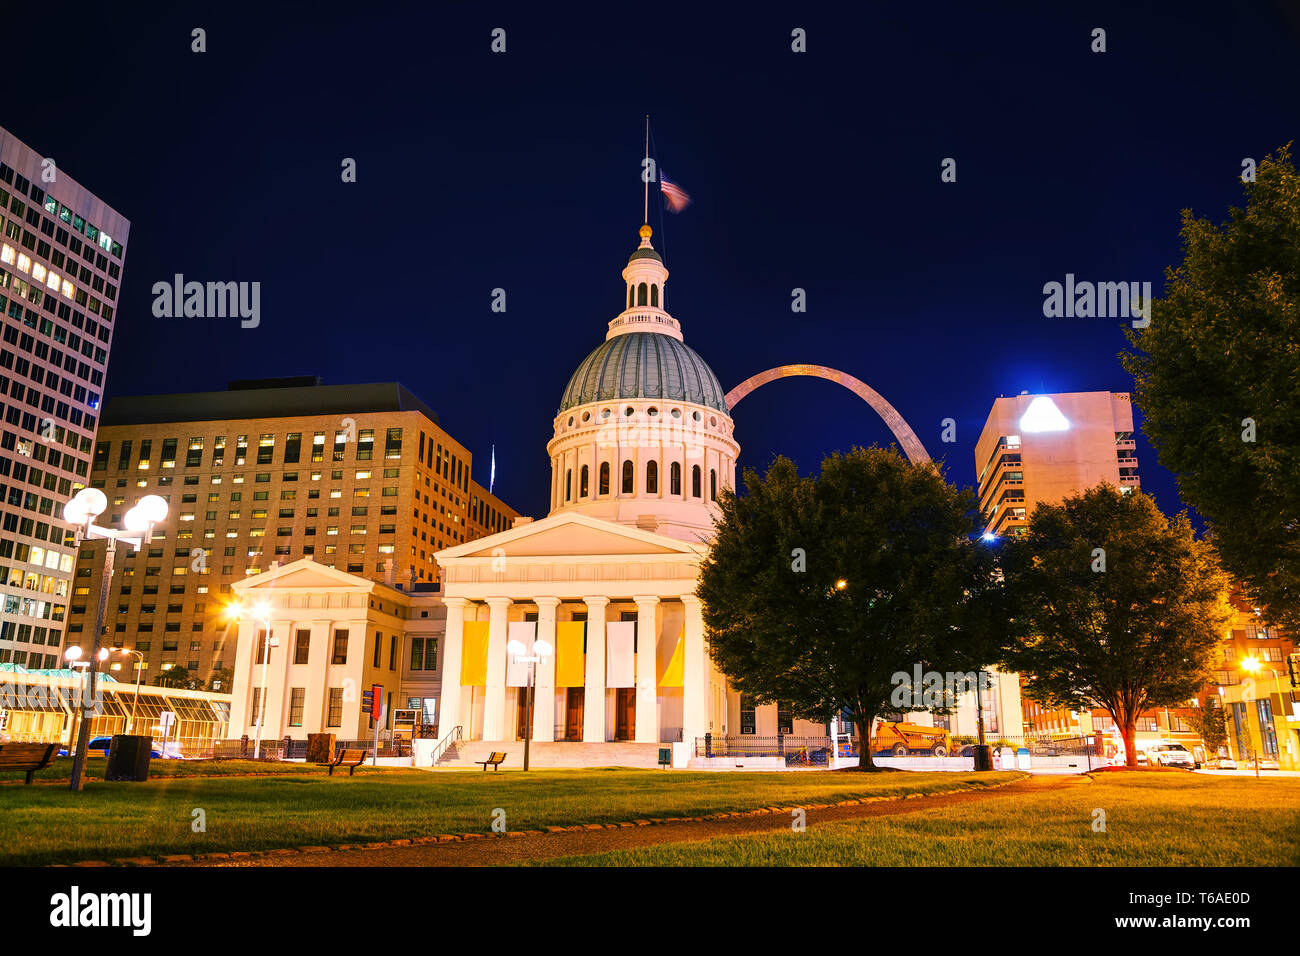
[
  {"x": 819, "y": 590},
  {"x": 1115, "y": 606},
  {"x": 1218, "y": 383}
]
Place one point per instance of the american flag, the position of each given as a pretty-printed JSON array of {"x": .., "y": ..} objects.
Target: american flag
[{"x": 674, "y": 195}]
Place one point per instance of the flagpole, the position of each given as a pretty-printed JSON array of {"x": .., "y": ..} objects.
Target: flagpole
[{"x": 645, "y": 208}]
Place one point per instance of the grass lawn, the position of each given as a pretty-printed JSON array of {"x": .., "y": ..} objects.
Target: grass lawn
[
  {"x": 1151, "y": 820},
  {"x": 50, "y": 824},
  {"x": 61, "y": 769}
]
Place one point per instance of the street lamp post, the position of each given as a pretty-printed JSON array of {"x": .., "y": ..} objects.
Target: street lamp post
[
  {"x": 80, "y": 512},
  {"x": 139, "y": 666},
  {"x": 73, "y": 655},
  {"x": 1251, "y": 665},
  {"x": 541, "y": 650}
]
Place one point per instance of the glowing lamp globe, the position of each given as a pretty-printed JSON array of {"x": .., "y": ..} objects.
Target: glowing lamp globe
[
  {"x": 135, "y": 520},
  {"x": 516, "y": 647},
  {"x": 86, "y": 505},
  {"x": 153, "y": 507},
  {"x": 542, "y": 648},
  {"x": 73, "y": 653}
]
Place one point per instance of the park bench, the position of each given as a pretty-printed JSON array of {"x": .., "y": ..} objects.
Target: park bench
[
  {"x": 29, "y": 757},
  {"x": 495, "y": 759},
  {"x": 350, "y": 759}
]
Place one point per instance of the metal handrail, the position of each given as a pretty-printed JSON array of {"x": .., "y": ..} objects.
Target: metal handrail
[{"x": 453, "y": 736}]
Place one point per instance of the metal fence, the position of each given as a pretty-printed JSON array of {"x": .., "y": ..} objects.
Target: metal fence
[{"x": 815, "y": 750}]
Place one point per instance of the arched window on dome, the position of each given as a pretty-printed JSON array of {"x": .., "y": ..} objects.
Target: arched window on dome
[
  {"x": 675, "y": 478},
  {"x": 652, "y": 478},
  {"x": 628, "y": 477},
  {"x": 654, "y": 296},
  {"x": 604, "y": 479},
  {"x": 695, "y": 481},
  {"x": 568, "y": 485},
  {"x": 582, "y": 483},
  {"x": 641, "y": 294},
  {"x": 631, "y": 291},
  {"x": 713, "y": 485}
]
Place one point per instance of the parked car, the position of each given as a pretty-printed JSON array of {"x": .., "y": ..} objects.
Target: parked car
[
  {"x": 1142, "y": 757},
  {"x": 1221, "y": 763},
  {"x": 1265, "y": 763},
  {"x": 1171, "y": 755},
  {"x": 163, "y": 751}
]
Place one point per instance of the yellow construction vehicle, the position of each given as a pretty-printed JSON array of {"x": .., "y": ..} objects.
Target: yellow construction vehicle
[{"x": 901, "y": 739}]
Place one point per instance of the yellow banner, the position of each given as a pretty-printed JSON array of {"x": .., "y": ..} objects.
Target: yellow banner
[
  {"x": 474, "y": 654},
  {"x": 570, "y": 661},
  {"x": 672, "y": 676}
]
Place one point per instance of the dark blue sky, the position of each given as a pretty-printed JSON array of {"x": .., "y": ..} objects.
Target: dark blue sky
[{"x": 521, "y": 171}]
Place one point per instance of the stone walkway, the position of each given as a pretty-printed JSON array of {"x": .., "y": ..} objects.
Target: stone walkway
[{"x": 515, "y": 847}]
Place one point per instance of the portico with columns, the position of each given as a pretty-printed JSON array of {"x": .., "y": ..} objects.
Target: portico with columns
[{"x": 573, "y": 569}]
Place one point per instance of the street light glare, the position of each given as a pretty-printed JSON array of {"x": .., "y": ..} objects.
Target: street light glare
[
  {"x": 153, "y": 507},
  {"x": 135, "y": 520},
  {"x": 73, "y": 653},
  {"x": 841, "y": 584},
  {"x": 86, "y": 505},
  {"x": 1250, "y": 664},
  {"x": 542, "y": 648},
  {"x": 515, "y": 647}
]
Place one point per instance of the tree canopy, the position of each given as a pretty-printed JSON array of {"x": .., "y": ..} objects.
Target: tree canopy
[
  {"x": 818, "y": 590},
  {"x": 1114, "y": 605},
  {"x": 1218, "y": 382}
]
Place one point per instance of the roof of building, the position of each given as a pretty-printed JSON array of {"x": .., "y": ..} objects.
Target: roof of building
[
  {"x": 640, "y": 365},
  {"x": 275, "y": 398}
]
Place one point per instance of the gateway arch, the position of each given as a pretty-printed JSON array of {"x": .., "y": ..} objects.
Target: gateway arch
[{"x": 907, "y": 439}]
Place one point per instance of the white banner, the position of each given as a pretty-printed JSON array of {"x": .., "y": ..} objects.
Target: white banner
[
  {"x": 620, "y": 657},
  {"x": 525, "y": 632}
]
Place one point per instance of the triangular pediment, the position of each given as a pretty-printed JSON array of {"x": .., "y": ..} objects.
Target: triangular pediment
[
  {"x": 571, "y": 535},
  {"x": 303, "y": 573}
]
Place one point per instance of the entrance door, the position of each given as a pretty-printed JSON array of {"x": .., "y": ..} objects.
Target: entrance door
[
  {"x": 573, "y": 713},
  {"x": 624, "y": 713},
  {"x": 521, "y": 714}
]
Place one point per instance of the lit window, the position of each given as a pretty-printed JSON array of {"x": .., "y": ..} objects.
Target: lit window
[
  {"x": 38, "y": 272},
  {"x": 24, "y": 263},
  {"x": 67, "y": 289},
  {"x": 7, "y": 255}
]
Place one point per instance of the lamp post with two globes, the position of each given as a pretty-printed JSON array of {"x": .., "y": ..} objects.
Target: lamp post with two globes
[
  {"x": 80, "y": 512},
  {"x": 541, "y": 650}
]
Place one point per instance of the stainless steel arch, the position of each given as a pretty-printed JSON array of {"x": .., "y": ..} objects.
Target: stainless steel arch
[{"x": 907, "y": 439}]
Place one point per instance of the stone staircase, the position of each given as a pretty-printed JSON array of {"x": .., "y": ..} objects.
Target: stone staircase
[{"x": 542, "y": 754}]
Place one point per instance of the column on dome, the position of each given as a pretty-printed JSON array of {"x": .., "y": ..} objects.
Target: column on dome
[
  {"x": 544, "y": 682},
  {"x": 593, "y": 717},
  {"x": 494, "y": 696},
  {"x": 647, "y": 669}
]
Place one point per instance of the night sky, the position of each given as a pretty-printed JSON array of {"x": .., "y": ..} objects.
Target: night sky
[{"x": 522, "y": 171}]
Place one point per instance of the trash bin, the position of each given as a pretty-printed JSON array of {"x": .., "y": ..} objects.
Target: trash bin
[
  {"x": 1022, "y": 759},
  {"x": 128, "y": 757}
]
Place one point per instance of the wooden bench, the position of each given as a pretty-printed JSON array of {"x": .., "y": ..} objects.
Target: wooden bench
[
  {"x": 495, "y": 759},
  {"x": 29, "y": 757},
  {"x": 350, "y": 759}
]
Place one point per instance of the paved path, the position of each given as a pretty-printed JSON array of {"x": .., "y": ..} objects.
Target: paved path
[{"x": 498, "y": 851}]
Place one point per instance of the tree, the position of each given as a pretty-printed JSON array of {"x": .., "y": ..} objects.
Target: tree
[
  {"x": 1211, "y": 724},
  {"x": 221, "y": 681},
  {"x": 1217, "y": 380},
  {"x": 1115, "y": 606},
  {"x": 177, "y": 677},
  {"x": 819, "y": 592}
]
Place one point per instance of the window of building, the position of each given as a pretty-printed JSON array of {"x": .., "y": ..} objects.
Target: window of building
[
  {"x": 302, "y": 646},
  {"x": 297, "y": 696},
  {"x": 603, "y": 488},
  {"x": 695, "y": 481},
  {"x": 340, "y": 655},
  {"x": 748, "y": 712},
  {"x": 628, "y": 477},
  {"x": 582, "y": 484},
  {"x": 652, "y": 478},
  {"x": 675, "y": 478},
  {"x": 334, "y": 712}
]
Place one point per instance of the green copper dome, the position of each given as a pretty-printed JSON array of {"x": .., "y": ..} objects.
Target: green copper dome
[{"x": 641, "y": 365}]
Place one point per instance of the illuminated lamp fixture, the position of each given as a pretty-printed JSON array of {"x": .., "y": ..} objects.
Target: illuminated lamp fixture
[{"x": 1042, "y": 415}]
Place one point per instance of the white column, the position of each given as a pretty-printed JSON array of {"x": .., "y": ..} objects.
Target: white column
[
  {"x": 494, "y": 699},
  {"x": 695, "y": 674},
  {"x": 452, "y": 643},
  {"x": 647, "y": 669},
  {"x": 544, "y": 681},
  {"x": 593, "y": 717}
]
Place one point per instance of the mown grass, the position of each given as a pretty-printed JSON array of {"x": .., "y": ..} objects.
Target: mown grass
[
  {"x": 50, "y": 824},
  {"x": 1151, "y": 820},
  {"x": 61, "y": 769}
]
